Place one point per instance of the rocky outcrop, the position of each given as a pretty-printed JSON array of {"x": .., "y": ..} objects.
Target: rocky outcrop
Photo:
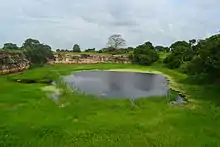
[
  {"x": 12, "y": 62},
  {"x": 88, "y": 59}
]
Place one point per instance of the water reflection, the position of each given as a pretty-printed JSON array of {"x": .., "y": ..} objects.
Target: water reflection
[{"x": 118, "y": 84}]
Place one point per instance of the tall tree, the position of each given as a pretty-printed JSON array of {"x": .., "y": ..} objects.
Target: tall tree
[
  {"x": 76, "y": 48},
  {"x": 145, "y": 54},
  {"x": 10, "y": 46},
  {"x": 116, "y": 41},
  {"x": 207, "y": 59},
  {"x": 36, "y": 52},
  {"x": 180, "y": 52},
  {"x": 179, "y": 47},
  {"x": 30, "y": 43}
]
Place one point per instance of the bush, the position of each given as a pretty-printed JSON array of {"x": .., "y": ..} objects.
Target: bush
[
  {"x": 36, "y": 52},
  {"x": 181, "y": 52},
  {"x": 173, "y": 61},
  {"x": 145, "y": 54},
  {"x": 207, "y": 60}
]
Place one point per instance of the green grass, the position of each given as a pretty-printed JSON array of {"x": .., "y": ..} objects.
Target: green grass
[{"x": 29, "y": 118}]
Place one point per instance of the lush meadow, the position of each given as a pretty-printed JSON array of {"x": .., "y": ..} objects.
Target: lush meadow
[{"x": 30, "y": 118}]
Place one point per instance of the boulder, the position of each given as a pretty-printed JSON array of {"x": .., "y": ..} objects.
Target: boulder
[{"x": 13, "y": 62}]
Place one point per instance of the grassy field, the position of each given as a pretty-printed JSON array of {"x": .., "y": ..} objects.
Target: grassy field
[{"x": 30, "y": 118}]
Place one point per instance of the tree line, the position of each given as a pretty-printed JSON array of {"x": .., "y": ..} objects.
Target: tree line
[
  {"x": 197, "y": 58},
  {"x": 36, "y": 52}
]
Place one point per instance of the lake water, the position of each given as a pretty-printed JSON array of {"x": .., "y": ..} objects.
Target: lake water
[{"x": 112, "y": 84}]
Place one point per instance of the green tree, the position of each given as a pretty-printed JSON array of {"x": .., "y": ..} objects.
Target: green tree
[
  {"x": 179, "y": 47},
  {"x": 90, "y": 50},
  {"x": 207, "y": 58},
  {"x": 192, "y": 42},
  {"x": 173, "y": 61},
  {"x": 36, "y": 52},
  {"x": 130, "y": 50},
  {"x": 145, "y": 54},
  {"x": 181, "y": 52},
  {"x": 162, "y": 49},
  {"x": 76, "y": 48},
  {"x": 10, "y": 46},
  {"x": 100, "y": 51},
  {"x": 30, "y": 43}
]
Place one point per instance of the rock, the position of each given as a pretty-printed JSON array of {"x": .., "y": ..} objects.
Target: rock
[
  {"x": 88, "y": 59},
  {"x": 12, "y": 62}
]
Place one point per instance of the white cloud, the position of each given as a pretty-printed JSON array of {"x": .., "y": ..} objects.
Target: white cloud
[{"x": 89, "y": 23}]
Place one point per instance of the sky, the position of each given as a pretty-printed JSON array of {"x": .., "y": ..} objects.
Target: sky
[{"x": 89, "y": 23}]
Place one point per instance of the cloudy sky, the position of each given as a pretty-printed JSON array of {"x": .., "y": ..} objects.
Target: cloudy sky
[{"x": 62, "y": 23}]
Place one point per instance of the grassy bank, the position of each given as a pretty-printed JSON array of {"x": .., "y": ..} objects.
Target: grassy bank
[{"x": 30, "y": 118}]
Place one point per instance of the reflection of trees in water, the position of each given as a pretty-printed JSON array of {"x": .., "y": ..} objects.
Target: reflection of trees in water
[
  {"x": 114, "y": 86},
  {"x": 144, "y": 81},
  {"x": 119, "y": 81},
  {"x": 114, "y": 81}
]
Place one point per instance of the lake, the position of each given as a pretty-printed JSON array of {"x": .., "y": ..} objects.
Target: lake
[{"x": 111, "y": 84}]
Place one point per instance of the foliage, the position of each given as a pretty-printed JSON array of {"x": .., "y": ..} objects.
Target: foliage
[
  {"x": 100, "y": 51},
  {"x": 90, "y": 50},
  {"x": 197, "y": 58},
  {"x": 162, "y": 49},
  {"x": 192, "y": 42},
  {"x": 36, "y": 52},
  {"x": 173, "y": 61},
  {"x": 207, "y": 58},
  {"x": 113, "y": 51},
  {"x": 76, "y": 48},
  {"x": 145, "y": 54},
  {"x": 58, "y": 50},
  {"x": 63, "y": 50},
  {"x": 30, "y": 43},
  {"x": 181, "y": 51},
  {"x": 10, "y": 46},
  {"x": 116, "y": 41}
]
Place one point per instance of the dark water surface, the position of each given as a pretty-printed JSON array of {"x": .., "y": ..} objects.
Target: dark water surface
[{"x": 118, "y": 84}]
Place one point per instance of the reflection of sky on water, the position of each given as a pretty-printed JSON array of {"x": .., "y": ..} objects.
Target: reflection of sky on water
[{"x": 118, "y": 84}]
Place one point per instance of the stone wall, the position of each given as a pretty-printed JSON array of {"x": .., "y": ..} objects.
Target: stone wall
[
  {"x": 88, "y": 59},
  {"x": 12, "y": 62}
]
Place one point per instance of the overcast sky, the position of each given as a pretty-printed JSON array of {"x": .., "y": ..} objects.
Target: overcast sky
[{"x": 89, "y": 23}]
